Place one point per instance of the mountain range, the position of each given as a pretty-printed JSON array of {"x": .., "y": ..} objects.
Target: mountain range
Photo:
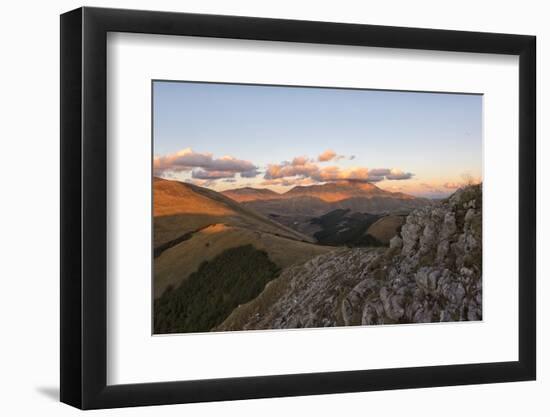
[
  {"x": 329, "y": 192},
  {"x": 357, "y": 196},
  {"x": 215, "y": 252}
]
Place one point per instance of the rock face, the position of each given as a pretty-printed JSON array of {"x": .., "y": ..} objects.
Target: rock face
[
  {"x": 307, "y": 295},
  {"x": 431, "y": 272}
]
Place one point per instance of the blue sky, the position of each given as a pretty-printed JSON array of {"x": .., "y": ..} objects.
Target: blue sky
[{"x": 437, "y": 138}]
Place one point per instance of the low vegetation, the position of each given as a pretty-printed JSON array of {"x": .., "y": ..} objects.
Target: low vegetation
[{"x": 207, "y": 297}]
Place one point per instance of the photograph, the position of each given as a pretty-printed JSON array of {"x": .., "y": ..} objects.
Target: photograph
[{"x": 288, "y": 207}]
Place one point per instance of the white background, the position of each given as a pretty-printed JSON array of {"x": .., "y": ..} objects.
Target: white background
[
  {"x": 133, "y": 60},
  {"x": 29, "y": 218}
]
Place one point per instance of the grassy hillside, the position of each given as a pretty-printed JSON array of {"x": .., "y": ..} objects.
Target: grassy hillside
[
  {"x": 178, "y": 262},
  {"x": 250, "y": 194},
  {"x": 386, "y": 228},
  {"x": 180, "y": 208},
  {"x": 209, "y": 295}
]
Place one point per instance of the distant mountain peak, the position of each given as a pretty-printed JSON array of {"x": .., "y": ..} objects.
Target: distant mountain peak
[
  {"x": 338, "y": 190},
  {"x": 250, "y": 194}
]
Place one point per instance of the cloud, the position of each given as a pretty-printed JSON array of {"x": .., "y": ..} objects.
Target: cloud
[
  {"x": 380, "y": 172},
  {"x": 330, "y": 155},
  {"x": 287, "y": 182},
  {"x": 202, "y": 174},
  {"x": 290, "y": 169},
  {"x": 327, "y": 155},
  {"x": 301, "y": 167},
  {"x": 376, "y": 178},
  {"x": 334, "y": 173},
  {"x": 203, "y": 165},
  {"x": 300, "y": 160},
  {"x": 390, "y": 174},
  {"x": 300, "y": 170},
  {"x": 228, "y": 163},
  {"x": 397, "y": 174},
  {"x": 250, "y": 174}
]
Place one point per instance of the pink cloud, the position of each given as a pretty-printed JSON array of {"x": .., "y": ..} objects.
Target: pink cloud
[
  {"x": 287, "y": 169},
  {"x": 302, "y": 167},
  {"x": 300, "y": 160},
  {"x": 189, "y": 160},
  {"x": 327, "y": 155},
  {"x": 330, "y": 155}
]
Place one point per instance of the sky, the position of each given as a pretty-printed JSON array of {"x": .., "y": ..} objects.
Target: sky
[{"x": 225, "y": 136}]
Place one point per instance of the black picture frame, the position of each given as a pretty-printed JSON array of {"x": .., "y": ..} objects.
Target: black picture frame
[{"x": 84, "y": 207}]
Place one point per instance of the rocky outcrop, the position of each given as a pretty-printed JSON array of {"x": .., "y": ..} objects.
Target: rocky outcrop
[
  {"x": 307, "y": 295},
  {"x": 431, "y": 272}
]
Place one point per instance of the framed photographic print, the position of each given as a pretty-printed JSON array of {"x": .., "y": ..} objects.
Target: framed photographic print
[{"x": 257, "y": 207}]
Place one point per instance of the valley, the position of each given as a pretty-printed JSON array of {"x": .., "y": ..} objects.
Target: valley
[{"x": 336, "y": 213}]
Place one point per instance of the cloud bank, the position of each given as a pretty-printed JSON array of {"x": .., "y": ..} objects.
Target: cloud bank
[
  {"x": 204, "y": 165},
  {"x": 301, "y": 170},
  {"x": 302, "y": 167}
]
